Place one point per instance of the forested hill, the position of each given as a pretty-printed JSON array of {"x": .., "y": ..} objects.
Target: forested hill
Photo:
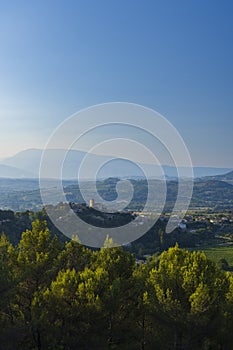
[
  {"x": 12, "y": 224},
  {"x": 21, "y": 195}
]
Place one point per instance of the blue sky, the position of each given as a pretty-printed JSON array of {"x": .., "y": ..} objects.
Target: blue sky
[{"x": 57, "y": 57}]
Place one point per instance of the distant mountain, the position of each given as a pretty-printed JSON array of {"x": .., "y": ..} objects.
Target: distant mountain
[
  {"x": 209, "y": 171},
  {"x": 224, "y": 177},
  {"x": 28, "y": 160},
  {"x": 228, "y": 177},
  {"x": 198, "y": 172},
  {"x": 27, "y": 164},
  {"x": 7, "y": 171}
]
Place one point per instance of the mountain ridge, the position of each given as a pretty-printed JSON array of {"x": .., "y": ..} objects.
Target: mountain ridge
[{"x": 26, "y": 163}]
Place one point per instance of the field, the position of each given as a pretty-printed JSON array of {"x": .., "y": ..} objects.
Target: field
[{"x": 217, "y": 253}]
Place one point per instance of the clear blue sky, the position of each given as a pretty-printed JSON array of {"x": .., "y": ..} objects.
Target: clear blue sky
[{"x": 57, "y": 57}]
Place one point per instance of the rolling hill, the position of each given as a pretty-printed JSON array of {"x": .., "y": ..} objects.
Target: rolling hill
[
  {"x": 24, "y": 194},
  {"x": 225, "y": 177}
]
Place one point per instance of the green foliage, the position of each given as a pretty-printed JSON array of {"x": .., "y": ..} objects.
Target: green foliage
[
  {"x": 73, "y": 256},
  {"x": 70, "y": 297},
  {"x": 187, "y": 290},
  {"x": 37, "y": 252}
]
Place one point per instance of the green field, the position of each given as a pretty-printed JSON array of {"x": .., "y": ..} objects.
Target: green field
[{"x": 217, "y": 253}]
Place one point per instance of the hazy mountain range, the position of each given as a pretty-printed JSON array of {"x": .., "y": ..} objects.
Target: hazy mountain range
[
  {"x": 228, "y": 177},
  {"x": 26, "y": 164},
  {"x": 19, "y": 183}
]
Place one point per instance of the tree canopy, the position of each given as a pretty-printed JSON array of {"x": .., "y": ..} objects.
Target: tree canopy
[{"x": 55, "y": 296}]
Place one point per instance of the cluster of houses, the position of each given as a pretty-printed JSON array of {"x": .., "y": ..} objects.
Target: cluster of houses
[{"x": 189, "y": 221}]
